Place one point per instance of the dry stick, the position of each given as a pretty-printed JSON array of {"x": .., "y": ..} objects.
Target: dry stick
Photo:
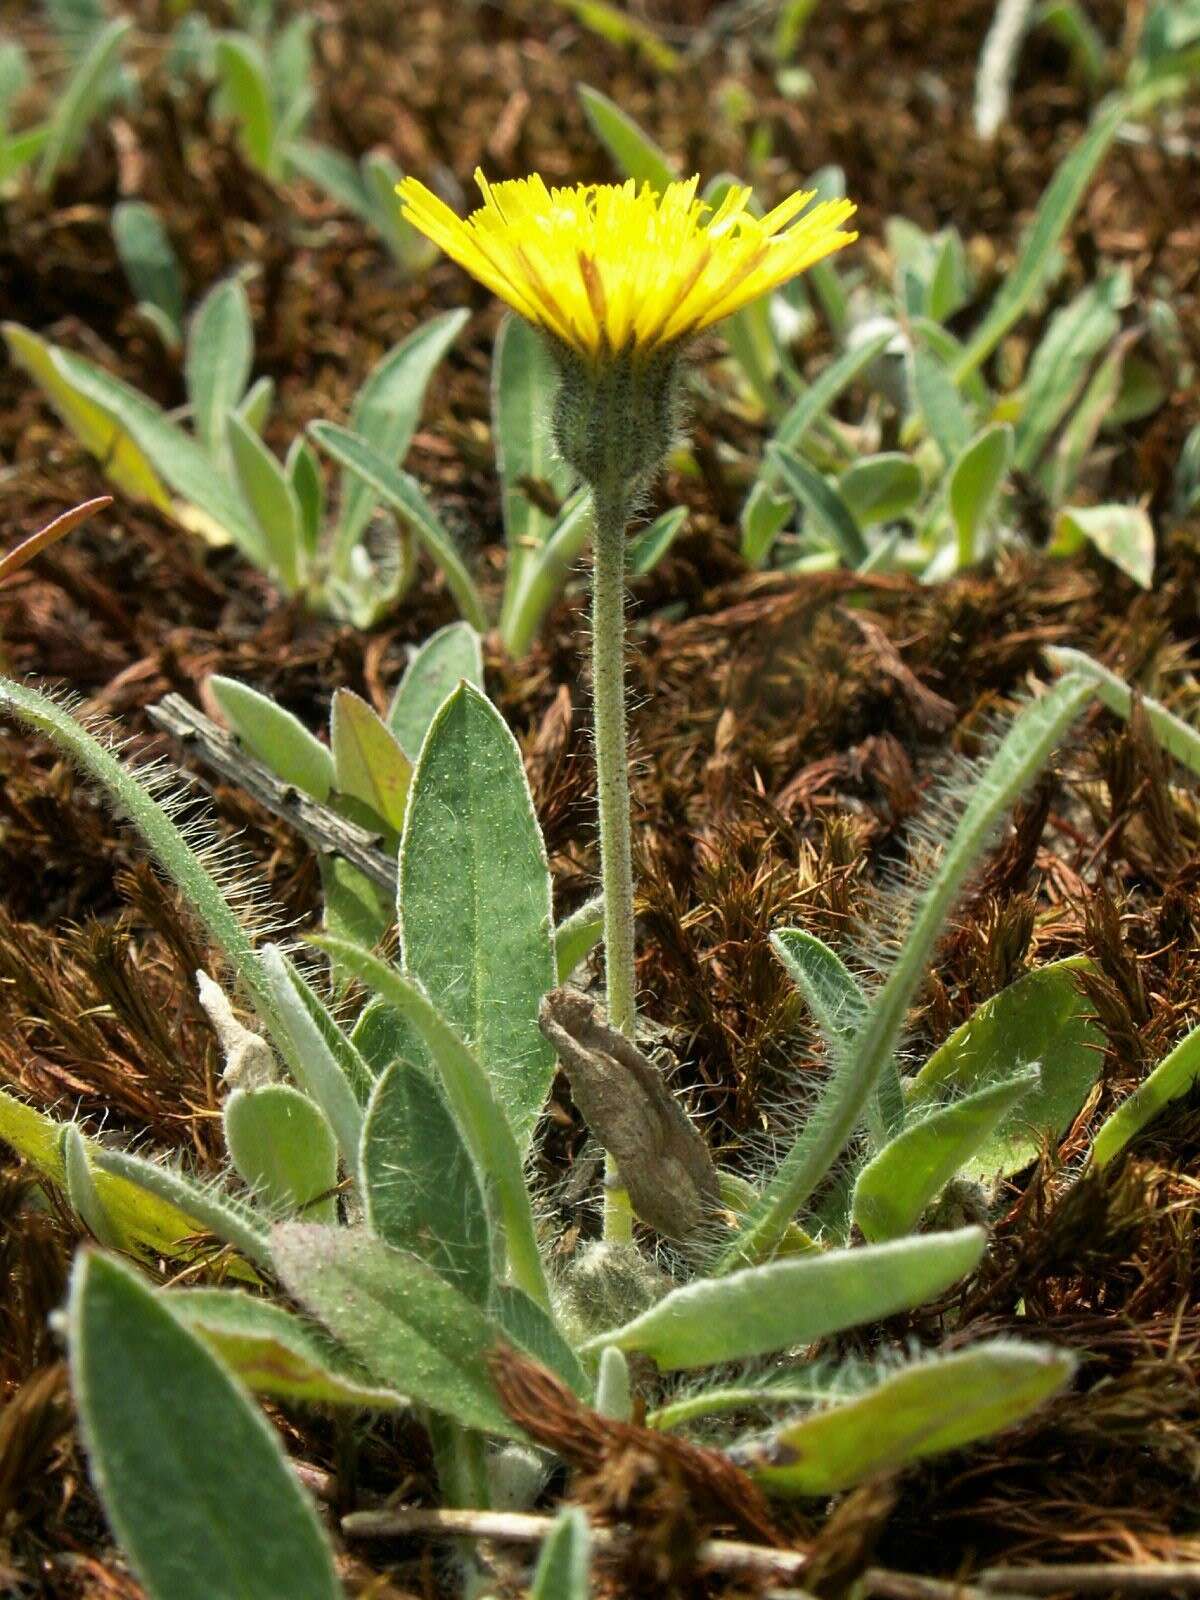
[
  {"x": 324, "y": 829},
  {"x": 21, "y": 554},
  {"x": 713, "y": 1555},
  {"x": 1095, "y": 1577}
]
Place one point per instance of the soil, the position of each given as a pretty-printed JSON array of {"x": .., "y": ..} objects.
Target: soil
[{"x": 787, "y": 729}]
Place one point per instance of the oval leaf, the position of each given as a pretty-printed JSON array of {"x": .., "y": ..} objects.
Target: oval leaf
[
  {"x": 193, "y": 1478},
  {"x": 369, "y": 764},
  {"x": 284, "y": 1150},
  {"x": 275, "y": 736},
  {"x": 474, "y": 900},
  {"x": 452, "y": 655}
]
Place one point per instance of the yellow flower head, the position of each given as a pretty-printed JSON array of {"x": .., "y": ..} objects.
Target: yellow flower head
[{"x": 608, "y": 268}]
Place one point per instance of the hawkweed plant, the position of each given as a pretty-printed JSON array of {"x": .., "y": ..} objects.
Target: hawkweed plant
[{"x": 620, "y": 279}]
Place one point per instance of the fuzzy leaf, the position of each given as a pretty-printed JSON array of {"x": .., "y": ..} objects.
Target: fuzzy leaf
[
  {"x": 150, "y": 262},
  {"x": 192, "y": 1476},
  {"x": 940, "y": 404},
  {"x": 385, "y": 414},
  {"x": 1122, "y": 534},
  {"x": 933, "y": 1406},
  {"x": 827, "y": 514},
  {"x": 270, "y": 496},
  {"x": 894, "y": 1187},
  {"x": 474, "y": 900},
  {"x": 226, "y": 1216},
  {"x": 648, "y": 548},
  {"x": 83, "y": 99},
  {"x": 634, "y": 152},
  {"x": 1041, "y": 1019},
  {"x": 880, "y": 488},
  {"x": 577, "y": 936},
  {"x": 562, "y": 1568},
  {"x": 220, "y": 354},
  {"x": 796, "y": 1301},
  {"x": 284, "y": 1150},
  {"x": 399, "y": 1316},
  {"x": 275, "y": 1352},
  {"x": 420, "y": 1186},
  {"x": 320, "y": 1069},
  {"x": 535, "y": 1330},
  {"x": 275, "y": 736},
  {"x": 452, "y": 655},
  {"x": 1172, "y": 1077},
  {"x": 975, "y": 483}
]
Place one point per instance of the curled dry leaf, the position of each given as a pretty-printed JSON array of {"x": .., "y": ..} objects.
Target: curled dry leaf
[{"x": 663, "y": 1160}]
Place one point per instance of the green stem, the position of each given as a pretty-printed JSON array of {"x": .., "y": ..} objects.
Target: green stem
[{"x": 612, "y": 785}]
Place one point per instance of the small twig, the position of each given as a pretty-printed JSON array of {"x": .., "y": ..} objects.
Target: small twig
[
  {"x": 327, "y": 832},
  {"x": 1095, "y": 1577},
  {"x": 525, "y": 1527}
]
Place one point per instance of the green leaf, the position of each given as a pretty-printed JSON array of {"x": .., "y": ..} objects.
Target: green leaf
[
  {"x": 223, "y": 1215},
  {"x": 400, "y": 1317},
  {"x": 337, "y": 174},
  {"x": 894, "y": 1188},
  {"x": 320, "y": 1071},
  {"x": 452, "y": 655},
  {"x": 1172, "y": 1077},
  {"x": 255, "y": 405},
  {"x": 271, "y": 497},
  {"x": 795, "y": 1301},
  {"x": 940, "y": 405},
  {"x": 880, "y": 488},
  {"x": 473, "y": 1101},
  {"x": 1058, "y": 205},
  {"x": 149, "y": 259},
  {"x": 284, "y": 1151},
  {"x": 1030, "y": 739},
  {"x": 275, "y": 1352},
  {"x": 354, "y": 907},
  {"x": 635, "y": 153},
  {"x": 275, "y": 736},
  {"x": 401, "y": 491},
  {"x": 419, "y": 1182},
  {"x": 220, "y": 354},
  {"x": 126, "y": 465},
  {"x": 935, "y": 1405},
  {"x": 245, "y": 87},
  {"x": 562, "y": 1568},
  {"x": 383, "y": 1035},
  {"x": 759, "y": 524},
  {"x": 1172, "y": 732},
  {"x": 308, "y": 485},
  {"x": 1074, "y": 338},
  {"x": 384, "y": 416},
  {"x": 831, "y": 991},
  {"x": 618, "y": 27},
  {"x": 828, "y": 515},
  {"x": 975, "y": 483},
  {"x": 193, "y": 1479},
  {"x": 82, "y": 1193},
  {"x": 83, "y": 99},
  {"x": 577, "y": 936},
  {"x": 1122, "y": 534},
  {"x": 1042, "y": 1019},
  {"x": 369, "y": 764},
  {"x": 534, "y": 1329},
  {"x": 524, "y": 383},
  {"x": 474, "y": 901},
  {"x": 647, "y": 548}
]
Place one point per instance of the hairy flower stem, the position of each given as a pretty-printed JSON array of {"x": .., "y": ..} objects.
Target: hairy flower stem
[{"x": 612, "y": 783}]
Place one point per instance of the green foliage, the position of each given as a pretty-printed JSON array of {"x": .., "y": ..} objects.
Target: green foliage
[
  {"x": 562, "y": 1569},
  {"x": 222, "y": 482},
  {"x": 407, "y": 1141},
  {"x": 193, "y": 1478},
  {"x": 152, "y": 267}
]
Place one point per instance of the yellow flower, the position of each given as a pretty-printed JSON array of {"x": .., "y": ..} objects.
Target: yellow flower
[{"x": 608, "y": 268}]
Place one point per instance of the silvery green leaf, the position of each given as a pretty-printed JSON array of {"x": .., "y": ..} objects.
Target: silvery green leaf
[
  {"x": 976, "y": 480},
  {"x": 1123, "y": 534},
  {"x": 940, "y": 405},
  {"x": 284, "y": 1151},
  {"x": 647, "y": 548},
  {"x": 83, "y": 99},
  {"x": 795, "y": 1301},
  {"x": 308, "y": 485},
  {"x": 150, "y": 262},
  {"x": 634, "y": 152},
  {"x": 192, "y": 1477},
  {"x": 279, "y": 739},
  {"x": 385, "y": 413},
  {"x": 320, "y": 1068},
  {"x": 270, "y": 496},
  {"x": 452, "y": 655},
  {"x": 411, "y": 1329},
  {"x": 225, "y": 1215},
  {"x": 82, "y": 1192},
  {"x": 419, "y": 1183},
  {"x": 880, "y": 488},
  {"x": 562, "y": 1568},
  {"x": 1074, "y": 338},
  {"x": 935, "y": 1405},
  {"x": 1043, "y": 1019},
  {"x": 533, "y": 1328},
  {"x": 1172, "y": 1077},
  {"x": 826, "y": 514},
  {"x": 245, "y": 92},
  {"x": 220, "y": 354},
  {"x": 474, "y": 899}
]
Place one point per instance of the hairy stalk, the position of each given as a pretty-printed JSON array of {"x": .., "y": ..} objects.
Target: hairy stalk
[
  {"x": 612, "y": 785},
  {"x": 1022, "y": 753}
]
